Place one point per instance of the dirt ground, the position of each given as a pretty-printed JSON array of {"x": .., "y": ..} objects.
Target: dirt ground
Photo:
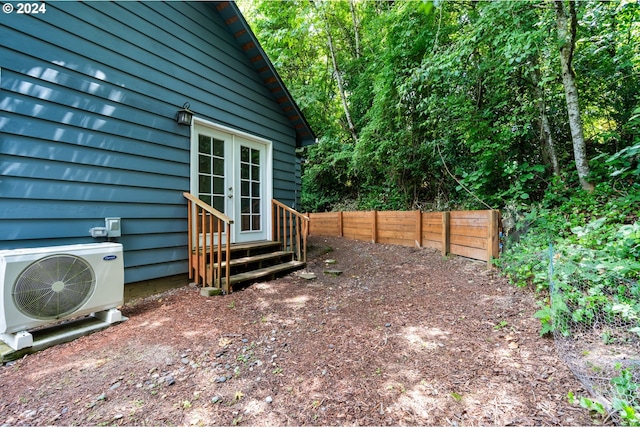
[{"x": 402, "y": 336}]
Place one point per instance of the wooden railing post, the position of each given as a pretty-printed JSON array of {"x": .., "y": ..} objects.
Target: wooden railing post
[
  {"x": 227, "y": 259},
  {"x": 305, "y": 233},
  {"x": 190, "y": 238},
  {"x": 197, "y": 248},
  {"x": 274, "y": 213},
  {"x": 278, "y": 226},
  {"x": 298, "y": 228},
  {"x": 207, "y": 273},
  {"x": 290, "y": 219},
  {"x": 218, "y": 275}
]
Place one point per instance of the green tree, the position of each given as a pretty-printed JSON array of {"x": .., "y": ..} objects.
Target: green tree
[
  {"x": 567, "y": 31},
  {"x": 451, "y": 104}
]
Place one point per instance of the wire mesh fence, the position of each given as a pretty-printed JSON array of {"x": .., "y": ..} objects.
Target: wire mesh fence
[{"x": 596, "y": 331}]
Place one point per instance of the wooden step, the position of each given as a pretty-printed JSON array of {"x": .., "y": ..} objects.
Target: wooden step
[
  {"x": 261, "y": 244},
  {"x": 249, "y": 247},
  {"x": 262, "y": 272},
  {"x": 254, "y": 259}
]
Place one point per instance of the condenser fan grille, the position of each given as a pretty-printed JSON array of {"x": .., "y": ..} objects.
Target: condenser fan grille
[{"x": 54, "y": 286}]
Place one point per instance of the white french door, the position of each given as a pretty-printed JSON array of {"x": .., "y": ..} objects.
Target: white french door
[{"x": 231, "y": 171}]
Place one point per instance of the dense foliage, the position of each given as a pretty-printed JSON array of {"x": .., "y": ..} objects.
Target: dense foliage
[
  {"x": 585, "y": 248},
  {"x": 450, "y": 104}
]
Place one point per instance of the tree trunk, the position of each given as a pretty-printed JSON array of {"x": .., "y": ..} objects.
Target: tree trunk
[
  {"x": 336, "y": 70},
  {"x": 356, "y": 27},
  {"x": 567, "y": 38},
  {"x": 546, "y": 138},
  {"x": 549, "y": 144}
]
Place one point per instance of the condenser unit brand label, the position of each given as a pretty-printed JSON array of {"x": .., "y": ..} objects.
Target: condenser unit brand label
[{"x": 109, "y": 257}]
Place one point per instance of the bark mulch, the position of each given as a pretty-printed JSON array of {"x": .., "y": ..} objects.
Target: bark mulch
[{"x": 394, "y": 335}]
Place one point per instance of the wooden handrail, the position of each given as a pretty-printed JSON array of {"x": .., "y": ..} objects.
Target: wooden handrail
[
  {"x": 202, "y": 218},
  {"x": 287, "y": 208},
  {"x": 291, "y": 228},
  {"x": 208, "y": 208}
]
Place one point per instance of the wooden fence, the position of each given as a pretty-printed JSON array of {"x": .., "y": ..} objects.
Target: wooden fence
[{"x": 473, "y": 234}]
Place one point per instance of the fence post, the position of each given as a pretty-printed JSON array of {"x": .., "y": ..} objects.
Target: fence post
[
  {"x": 374, "y": 226},
  {"x": 340, "y": 230},
  {"x": 273, "y": 221},
  {"x": 418, "y": 228},
  {"x": 445, "y": 233},
  {"x": 493, "y": 241}
]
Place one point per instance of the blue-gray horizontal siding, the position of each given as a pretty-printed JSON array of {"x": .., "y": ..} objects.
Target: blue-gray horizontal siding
[{"x": 87, "y": 131}]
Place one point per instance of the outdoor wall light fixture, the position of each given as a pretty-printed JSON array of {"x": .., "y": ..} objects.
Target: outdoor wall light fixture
[{"x": 185, "y": 115}]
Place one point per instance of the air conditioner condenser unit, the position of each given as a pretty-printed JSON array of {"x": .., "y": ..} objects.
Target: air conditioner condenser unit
[{"x": 43, "y": 286}]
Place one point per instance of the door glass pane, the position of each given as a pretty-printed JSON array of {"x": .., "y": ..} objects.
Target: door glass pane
[
  {"x": 250, "y": 181},
  {"x": 218, "y": 185},
  {"x": 218, "y": 147},
  {"x": 204, "y": 163},
  {"x": 218, "y": 203},
  {"x": 205, "y": 184},
  {"x": 204, "y": 144},
  {"x": 245, "y": 203},
  {"x": 244, "y": 188},
  {"x": 211, "y": 179},
  {"x": 218, "y": 166},
  {"x": 246, "y": 222}
]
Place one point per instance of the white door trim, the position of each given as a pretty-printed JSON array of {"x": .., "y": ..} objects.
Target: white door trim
[
  {"x": 268, "y": 184},
  {"x": 226, "y": 129}
]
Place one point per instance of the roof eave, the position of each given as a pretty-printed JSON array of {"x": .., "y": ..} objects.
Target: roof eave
[{"x": 248, "y": 41}]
